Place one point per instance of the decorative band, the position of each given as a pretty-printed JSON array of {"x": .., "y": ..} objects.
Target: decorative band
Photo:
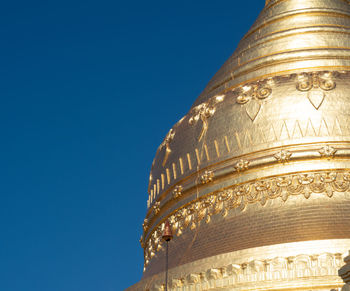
[
  {"x": 279, "y": 269},
  {"x": 325, "y": 182}
]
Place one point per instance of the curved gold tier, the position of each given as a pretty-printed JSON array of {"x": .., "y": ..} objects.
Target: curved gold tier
[
  {"x": 293, "y": 266},
  {"x": 263, "y": 156},
  {"x": 284, "y": 209}
]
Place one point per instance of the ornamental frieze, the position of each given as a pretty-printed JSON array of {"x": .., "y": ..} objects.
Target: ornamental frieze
[
  {"x": 239, "y": 196},
  {"x": 282, "y": 269},
  {"x": 283, "y": 156}
]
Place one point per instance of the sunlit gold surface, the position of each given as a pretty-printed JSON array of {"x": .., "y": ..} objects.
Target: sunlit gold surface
[
  {"x": 276, "y": 197},
  {"x": 291, "y": 266},
  {"x": 261, "y": 162}
]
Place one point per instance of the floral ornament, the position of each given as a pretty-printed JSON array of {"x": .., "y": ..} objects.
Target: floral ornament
[
  {"x": 203, "y": 112},
  {"x": 145, "y": 224},
  {"x": 316, "y": 84},
  {"x": 327, "y": 151},
  {"x": 261, "y": 188},
  {"x": 156, "y": 207},
  {"x": 241, "y": 190},
  {"x": 251, "y": 96},
  {"x": 242, "y": 165},
  {"x": 177, "y": 193},
  {"x": 283, "y": 156},
  {"x": 283, "y": 183},
  {"x": 207, "y": 177},
  {"x": 166, "y": 143},
  {"x": 306, "y": 179},
  {"x": 328, "y": 177}
]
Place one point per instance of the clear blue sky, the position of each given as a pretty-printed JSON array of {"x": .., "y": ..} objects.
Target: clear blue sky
[{"x": 88, "y": 90}]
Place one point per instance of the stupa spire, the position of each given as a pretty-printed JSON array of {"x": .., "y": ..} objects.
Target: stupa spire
[{"x": 288, "y": 36}]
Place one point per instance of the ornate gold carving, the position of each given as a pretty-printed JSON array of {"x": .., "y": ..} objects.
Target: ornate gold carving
[
  {"x": 250, "y": 96},
  {"x": 282, "y": 269},
  {"x": 238, "y": 197},
  {"x": 283, "y": 156},
  {"x": 156, "y": 207},
  {"x": 145, "y": 224},
  {"x": 177, "y": 193},
  {"x": 207, "y": 177},
  {"x": 213, "y": 274},
  {"x": 166, "y": 143},
  {"x": 315, "y": 84},
  {"x": 308, "y": 81},
  {"x": 203, "y": 112},
  {"x": 327, "y": 151},
  {"x": 242, "y": 165},
  {"x": 193, "y": 278},
  {"x": 177, "y": 283}
]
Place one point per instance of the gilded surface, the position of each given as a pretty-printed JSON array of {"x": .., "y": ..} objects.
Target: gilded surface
[
  {"x": 239, "y": 196},
  {"x": 292, "y": 266},
  {"x": 292, "y": 109}
]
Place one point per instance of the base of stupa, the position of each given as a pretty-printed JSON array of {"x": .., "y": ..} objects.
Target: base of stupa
[{"x": 303, "y": 266}]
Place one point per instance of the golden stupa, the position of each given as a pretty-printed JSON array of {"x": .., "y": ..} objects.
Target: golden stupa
[{"x": 255, "y": 179}]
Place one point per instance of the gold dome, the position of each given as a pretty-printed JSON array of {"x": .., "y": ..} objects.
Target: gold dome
[{"x": 259, "y": 168}]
